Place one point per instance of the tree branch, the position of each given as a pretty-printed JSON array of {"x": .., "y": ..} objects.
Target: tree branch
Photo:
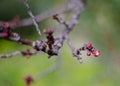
[
  {"x": 40, "y": 17},
  {"x": 49, "y": 70},
  {"x": 33, "y": 18},
  {"x": 52, "y": 45},
  {"x": 78, "y": 7}
]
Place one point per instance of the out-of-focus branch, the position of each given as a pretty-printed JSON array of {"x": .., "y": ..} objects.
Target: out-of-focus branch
[
  {"x": 49, "y": 70},
  {"x": 10, "y": 54},
  {"x": 77, "y": 6},
  {"x": 40, "y": 17},
  {"x": 26, "y": 53}
]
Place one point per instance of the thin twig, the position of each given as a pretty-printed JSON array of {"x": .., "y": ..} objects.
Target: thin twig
[
  {"x": 40, "y": 17},
  {"x": 77, "y": 6},
  {"x": 10, "y": 54},
  {"x": 33, "y": 18},
  {"x": 74, "y": 51},
  {"x": 25, "y": 53}
]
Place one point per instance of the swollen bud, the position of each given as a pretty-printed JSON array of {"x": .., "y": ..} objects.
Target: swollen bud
[
  {"x": 89, "y": 46},
  {"x": 96, "y": 53},
  {"x": 28, "y": 80},
  {"x": 27, "y": 56},
  {"x": 4, "y": 34},
  {"x": 88, "y": 53}
]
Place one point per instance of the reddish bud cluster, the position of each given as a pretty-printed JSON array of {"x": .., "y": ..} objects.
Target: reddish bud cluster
[
  {"x": 91, "y": 50},
  {"x": 28, "y": 80},
  {"x": 88, "y": 53},
  {"x": 4, "y": 30},
  {"x": 96, "y": 53},
  {"x": 49, "y": 37},
  {"x": 89, "y": 46},
  {"x": 4, "y": 34}
]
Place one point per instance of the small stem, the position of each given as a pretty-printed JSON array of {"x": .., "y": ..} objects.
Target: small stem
[
  {"x": 10, "y": 54},
  {"x": 34, "y": 52},
  {"x": 33, "y": 18}
]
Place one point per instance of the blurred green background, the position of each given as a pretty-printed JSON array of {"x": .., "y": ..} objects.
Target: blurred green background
[{"x": 99, "y": 23}]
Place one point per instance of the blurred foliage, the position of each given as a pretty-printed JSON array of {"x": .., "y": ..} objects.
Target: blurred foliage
[{"x": 99, "y": 24}]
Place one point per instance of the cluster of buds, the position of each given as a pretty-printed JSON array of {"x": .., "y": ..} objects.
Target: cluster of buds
[
  {"x": 91, "y": 50},
  {"x": 49, "y": 38},
  {"x": 46, "y": 46},
  {"x": 4, "y": 30},
  {"x": 39, "y": 45}
]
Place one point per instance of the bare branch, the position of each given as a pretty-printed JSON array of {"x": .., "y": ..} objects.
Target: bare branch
[
  {"x": 77, "y": 8},
  {"x": 75, "y": 52},
  {"x": 26, "y": 53},
  {"x": 10, "y": 54},
  {"x": 40, "y": 17},
  {"x": 33, "y": 17}
]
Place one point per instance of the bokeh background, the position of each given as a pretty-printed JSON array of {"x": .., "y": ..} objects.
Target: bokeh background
[{"x": 99, "y": 23}]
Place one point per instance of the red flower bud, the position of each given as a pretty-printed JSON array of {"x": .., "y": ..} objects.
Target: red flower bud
[
  {"x": 88, "y": 53},
  {"x": 96, "y": 53},
  {"x": 4, "y": 34},
  {"x": 28, "y": 56},
  {"x": 28, "y": 80},
  {"x": 89, "y": 46}
]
